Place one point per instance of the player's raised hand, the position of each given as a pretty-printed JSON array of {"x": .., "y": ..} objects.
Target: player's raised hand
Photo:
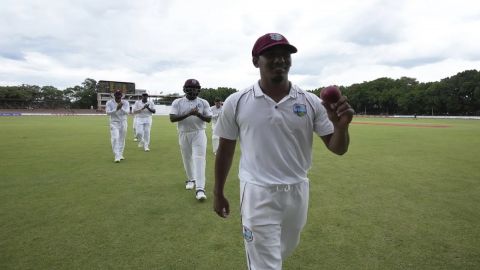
[{"x": 340, "y": 112}]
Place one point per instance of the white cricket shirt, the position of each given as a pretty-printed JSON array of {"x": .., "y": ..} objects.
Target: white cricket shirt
[
  {"x": 145, "y": 113},
  {"x": 182, "y": 106},
  {"x": 215, "y": 113},
  {"x": 275, "y": 138},
  {"x": 120, "y": 115}
]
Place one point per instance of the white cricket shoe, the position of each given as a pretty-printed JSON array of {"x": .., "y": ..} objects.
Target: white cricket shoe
[
  {"x": 135, "y": 139},
  {"x": 190, "y": 184},
  {"x": 117, "y": 160},
  {"x": 140, "y": 144},
  {"x": 122, "y": 158},
  {"x": 201, "y": 195},
  {"x": 147, "y": 149}
]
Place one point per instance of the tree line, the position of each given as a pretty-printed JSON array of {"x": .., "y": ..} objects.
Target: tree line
[
  {"x": 456, "y": 95},
  {"x": 49, "y": 97}
]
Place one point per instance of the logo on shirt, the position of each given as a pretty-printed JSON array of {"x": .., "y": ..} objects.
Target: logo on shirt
[
  {"x": 247, "y": 234},
  {"x": 299, "y": 109}
]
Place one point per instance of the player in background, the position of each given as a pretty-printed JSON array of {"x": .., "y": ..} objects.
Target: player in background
[
  {"x": 191, "y": 114},
  {"x": 118, "y": 110},
  {"x": 143, "y": 110},
  {"x": 216, "y": 111},
  {"x": 134, "y": 126},
  {"x": 274, "y": 121}
]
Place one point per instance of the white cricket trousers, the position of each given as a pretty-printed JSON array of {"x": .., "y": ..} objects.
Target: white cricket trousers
[
  {"x": 215, "y": 140},
  {"x": 143, "y": 127},
  {"x": 134, "y": 126},
  {"x": 272, "y": 219},
  {"x": 118, "y": 130},
  {"x": 193, "y": 146}
]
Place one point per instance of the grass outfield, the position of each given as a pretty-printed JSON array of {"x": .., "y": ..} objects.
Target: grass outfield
[{"x": 404, "y": 197}]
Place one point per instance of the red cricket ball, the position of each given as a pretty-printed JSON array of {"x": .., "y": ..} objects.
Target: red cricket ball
[{"x": 330, "y": 94}]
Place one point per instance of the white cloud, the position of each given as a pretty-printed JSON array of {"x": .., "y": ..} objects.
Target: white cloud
[{"x": 159, "y": 44}]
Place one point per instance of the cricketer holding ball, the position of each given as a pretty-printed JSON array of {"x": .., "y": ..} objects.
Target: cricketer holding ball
[
  {"x": 118, "y": 110},
  {"x": 330, "y": 94},
  {"x": 274, "y": 121},
  {"x": 191, "y": 114}
]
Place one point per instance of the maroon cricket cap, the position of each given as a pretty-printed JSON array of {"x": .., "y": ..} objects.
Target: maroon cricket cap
[
  {"x": 191, "y": 83},
  {"x": 269, "y": 40}
]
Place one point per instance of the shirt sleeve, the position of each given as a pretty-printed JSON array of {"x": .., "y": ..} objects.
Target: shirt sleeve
[
  {"x": 227, "y": 126},
  {"x": 174, "y": 109},
  {"x": 109, "y": 109},
  {"x": 321, "y": 124},
  {"x": 125, "y": 107},
  {"x": 136, "y": 106},
  {"x": 207, "y": 111}
]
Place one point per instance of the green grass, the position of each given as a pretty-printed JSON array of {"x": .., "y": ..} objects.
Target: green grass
[{"x": 401, "y": 198}]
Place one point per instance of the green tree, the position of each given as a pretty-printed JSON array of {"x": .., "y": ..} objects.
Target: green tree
[
  {"x": 23, "y": 96},
  {"x": 51, "y": 97},
  {"x": 82, "y": 97},
  {"x": 210, "y": 94}
]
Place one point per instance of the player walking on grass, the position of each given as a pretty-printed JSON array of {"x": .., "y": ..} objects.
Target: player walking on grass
[
  {"x": 275, "y": 122},
  {"x": 134, "y": 127},
  {"x": 216, "y": 111},
  {"x": 117, "y": 109},
  {"x": 191, "y": 114},
  {"x": 143, "y": 110}
]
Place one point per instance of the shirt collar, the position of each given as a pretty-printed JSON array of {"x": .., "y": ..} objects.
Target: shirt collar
[{"x": 258, "y": 90}]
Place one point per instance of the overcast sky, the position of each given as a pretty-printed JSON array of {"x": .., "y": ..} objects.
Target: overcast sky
[{"x": 158, "y": 44}]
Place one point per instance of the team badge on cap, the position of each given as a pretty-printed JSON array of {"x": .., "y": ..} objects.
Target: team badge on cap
[
  {"x": 270, "y": 40},
  {"x": 276, "y": 36},
  {"x": 300, "y": 109},
  {"x": 247, "y": 234}
]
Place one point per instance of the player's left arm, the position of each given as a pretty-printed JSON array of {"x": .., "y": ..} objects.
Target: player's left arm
[
  {"x": 151, "y": 107},
  {"x": 206, "y": 114},
  {"x": 136, "y": 108},
  {"x": 125, "y": 107},
  {"x": 203, "y": 117}
]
